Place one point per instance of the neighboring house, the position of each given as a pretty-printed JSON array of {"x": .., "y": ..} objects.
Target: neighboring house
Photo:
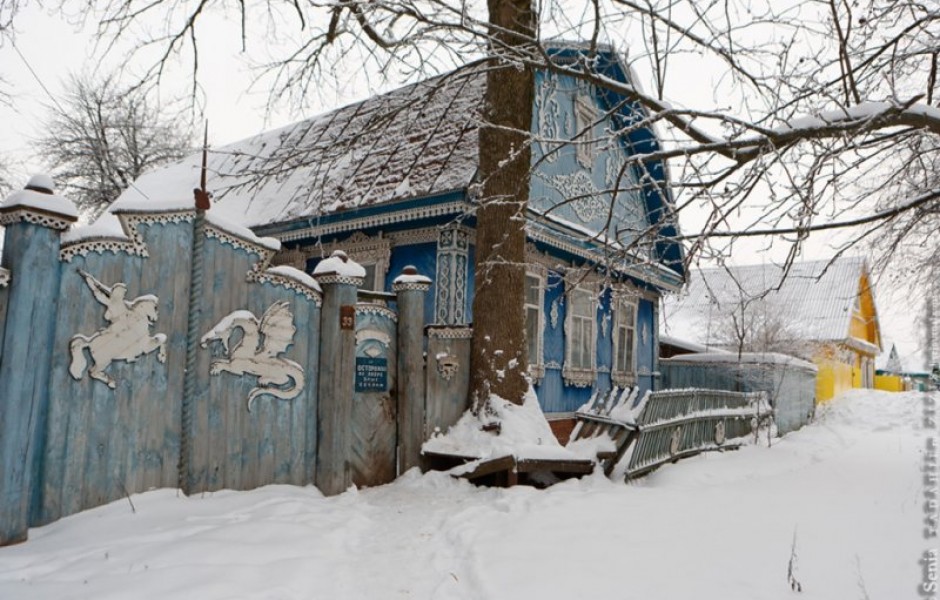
[
  {"x": 891, "y": 376},
  {"x": 823, "y": 311},
  {"x": 392, "y": 181}
]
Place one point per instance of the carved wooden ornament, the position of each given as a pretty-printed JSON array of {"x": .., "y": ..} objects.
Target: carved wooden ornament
[
  {"x": 126, "y": 337},
  {"x": 256, "y": 353}
]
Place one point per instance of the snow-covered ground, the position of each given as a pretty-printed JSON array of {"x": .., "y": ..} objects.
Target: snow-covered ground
[{"x": 849, "y": 487}]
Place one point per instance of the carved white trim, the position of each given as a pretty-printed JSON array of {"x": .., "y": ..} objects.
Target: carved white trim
[
  {"x": 237, "y": 241},
  {"x": 556, "y": 304},
  {"x": 363, "y": 249},
  {"x": 134, "y": 244},
  {"x": 582, "y": 196},
  {"x": 536, "y": 363},
  {"x": 549, "y": 111},
  {"x": 403, "y": 286},
  {"x": 252, "y": 356},
  {"x": 276, "y": 279},
  {"x": 377, "y": 220},
  {"x": 329, "y": 278},
  {"x": 577, "y": 375},
  {"x": 586, "y": 115},
  {"x": 292, "y": 257},
  {"x": 126, "y": 337},
  {"x": 640, "y": 268},
  {"x": 36, "y": 217},
  {"x": 624, "y": 304},
  {"x": 452, "y": 275},
  {"x": 450, "y": 333},
  {"x": 4, "y": 277},
  {"x": 370, "y": 308},
  {"x": 425, "y": 235}
]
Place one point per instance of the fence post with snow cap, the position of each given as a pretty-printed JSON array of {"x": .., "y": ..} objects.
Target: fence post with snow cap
[
  {"x": 34, "y": 218},
  {"x": 340, "y": 277},
  {"x": 411, "y": 289}
]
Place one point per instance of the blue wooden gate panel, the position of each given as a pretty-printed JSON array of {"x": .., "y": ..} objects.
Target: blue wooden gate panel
[
  {"x": 373, "y": 418},
  {"x": 275, "y": 442},
  {"x": 104, "y": 443}
]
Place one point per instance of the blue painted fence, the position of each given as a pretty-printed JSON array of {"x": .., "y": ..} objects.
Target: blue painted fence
[{"x": 171, "y": 356}]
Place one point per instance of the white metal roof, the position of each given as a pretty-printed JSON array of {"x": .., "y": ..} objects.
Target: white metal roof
[{"x": 815, "y": 299}]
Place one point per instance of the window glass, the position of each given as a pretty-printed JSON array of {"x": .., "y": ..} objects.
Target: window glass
[
  {"x": 369, "y": 281},
  {"x": 625, "y": 330},
  {"x": 533, "y": 318}
]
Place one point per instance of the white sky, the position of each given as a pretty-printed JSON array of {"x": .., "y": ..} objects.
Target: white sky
[{"x": 54, "y": 48}]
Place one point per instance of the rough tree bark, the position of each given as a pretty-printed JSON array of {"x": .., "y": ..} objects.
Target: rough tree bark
[{"x": 498, "y": 355}]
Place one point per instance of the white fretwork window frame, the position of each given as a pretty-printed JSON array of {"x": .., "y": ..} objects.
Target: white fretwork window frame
[
  {"x": 580, "y": 368},
  {"x": 534, "y": 307},
  {"x": 625, "y": 302},
  {"x": 452, "y": 275},
  {"x": 585, "y": 116},
  {"x": 374, "y": 252}
]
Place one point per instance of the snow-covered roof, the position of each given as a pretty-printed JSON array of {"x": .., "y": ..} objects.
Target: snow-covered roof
[
  {"x": 815, "y": 299},
  {"x": 415, "y": 141}
]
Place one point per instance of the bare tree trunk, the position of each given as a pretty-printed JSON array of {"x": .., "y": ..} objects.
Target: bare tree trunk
[{"x": 498, "y": 358}]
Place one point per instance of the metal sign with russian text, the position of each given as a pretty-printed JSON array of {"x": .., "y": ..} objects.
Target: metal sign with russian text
[{"x": 371, "y": 374}]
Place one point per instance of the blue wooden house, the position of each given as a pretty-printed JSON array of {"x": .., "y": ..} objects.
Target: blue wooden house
[{"x": 392, "y": 181}]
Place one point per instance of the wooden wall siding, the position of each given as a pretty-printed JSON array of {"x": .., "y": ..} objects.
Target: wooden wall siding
[
  {"x": 424, "y": 258},
  {"x": 31, "y": 254},
  {"x": 103, "y": 443},
  {"x": 551, "y": 389},
  {"x": 790, "y": 390},
  {"x": 645, "y": 345},
  {"x": 374, "y": 413},
  {"x": 4, "y": 302}
]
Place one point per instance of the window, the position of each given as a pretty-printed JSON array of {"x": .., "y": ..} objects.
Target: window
[
  {"x": 580, "y": 337},
  {"x": 369, "y": 282},
  {"x": 534, "y": 323},
  {"x": 585, "y": 115},
  {"x": 624, "y": 334}
]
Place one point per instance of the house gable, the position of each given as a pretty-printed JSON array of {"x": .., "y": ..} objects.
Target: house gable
[
  {"x": 864, "y": 322},
  {"x": 582, "y": 183}
]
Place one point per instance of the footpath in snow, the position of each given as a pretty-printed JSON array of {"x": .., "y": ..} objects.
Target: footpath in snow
[{"x": 849, "y": 489}]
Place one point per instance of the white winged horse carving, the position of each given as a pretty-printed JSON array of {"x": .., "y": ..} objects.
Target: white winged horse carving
[
  {"x": 127, "y": 336},
  {"x": 256, "y": 353}
]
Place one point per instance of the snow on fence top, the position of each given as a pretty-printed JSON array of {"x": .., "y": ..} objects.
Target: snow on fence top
[{"x": 39, "y": 194}]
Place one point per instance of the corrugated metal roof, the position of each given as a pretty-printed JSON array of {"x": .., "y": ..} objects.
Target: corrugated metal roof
[{"x": 814, "y": 298}]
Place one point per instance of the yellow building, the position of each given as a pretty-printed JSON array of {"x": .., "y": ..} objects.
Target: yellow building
[{"x": 823, "y": 311}]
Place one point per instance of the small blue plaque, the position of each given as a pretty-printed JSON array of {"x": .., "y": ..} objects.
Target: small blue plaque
[{"x": 371, "y": 374}]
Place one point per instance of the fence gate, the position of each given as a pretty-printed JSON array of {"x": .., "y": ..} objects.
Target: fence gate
[{"x": 374, "y": 412}]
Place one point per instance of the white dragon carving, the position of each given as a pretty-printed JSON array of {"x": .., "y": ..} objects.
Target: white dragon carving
[{"x": 256, "y": 353}]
